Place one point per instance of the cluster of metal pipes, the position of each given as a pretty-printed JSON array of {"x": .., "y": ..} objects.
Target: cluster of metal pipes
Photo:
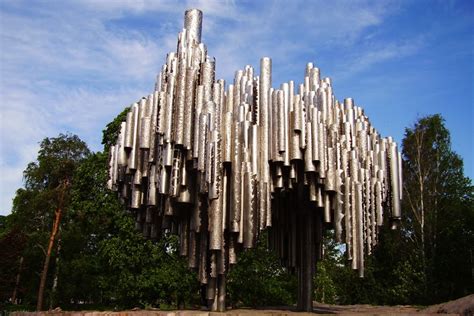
[{"x": 218, "y": 166}]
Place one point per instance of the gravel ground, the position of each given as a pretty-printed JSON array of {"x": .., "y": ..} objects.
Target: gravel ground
[{"x": 463, "y": 306}]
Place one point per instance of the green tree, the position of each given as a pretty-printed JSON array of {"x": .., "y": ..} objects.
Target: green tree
[
  {"x": 112, "y": 130},
  {"x": 90, "y": 219},
  {"x": 38, "y": 207},
  {"x": 439, "y": 210},
  {"x": 396, "y": 267},
  {"x": 104, "y": 261},
  {"x": 142, "y": 273},
  {"x": 325, "y": 286},
  {"x": 258, "y": 279},
  {"x": 57, "y": 159}
]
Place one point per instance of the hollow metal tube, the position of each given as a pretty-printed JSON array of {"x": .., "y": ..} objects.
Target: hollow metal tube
[
  {"x": 354, "y": 223},
  {"x": 308, "y": 153},
  {"x": 207, "y": 78},
  {"x": 129, "y": 129},
  {"x": 193, "y": 24},
  {"x": 189, "y": 108},
  {"x": 394, "y": 176},
  {"x": 359, "y": 223},
  {"x": 281, "y": 121},
  {"x": 330, "y": 180},
  {"x": 264, "y": 111},
  {"x": 122, "y": 154},
  {"x": 179, "y": 102},
  {"x": 215, "y": 227},
  {"x": 168, "y": 121},
  {"x": 145, "y": 132},
  {"x": 132, "y": 163},
  {"x": 321, "y": 150},
  {"x": 197, "y": 117},
  {"x": 203, "y": 128},
  {"x": 338, "y": 207}
]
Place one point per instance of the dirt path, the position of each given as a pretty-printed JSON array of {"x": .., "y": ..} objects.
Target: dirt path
[{"x": 463, "y": 306}]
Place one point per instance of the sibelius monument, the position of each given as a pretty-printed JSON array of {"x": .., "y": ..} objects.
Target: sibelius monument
[{"x": 218, "y": 165}]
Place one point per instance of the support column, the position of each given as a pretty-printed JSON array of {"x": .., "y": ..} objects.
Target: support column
[
  {"x": 221, "y": 290},
  {"x": 306, "y": 252},
  {"x": 217, "y": 303}
]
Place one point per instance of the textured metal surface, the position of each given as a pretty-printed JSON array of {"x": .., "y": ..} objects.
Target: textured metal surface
[
  {"x": 218, "y": 166},
  {"x": 193, "y": 24}
]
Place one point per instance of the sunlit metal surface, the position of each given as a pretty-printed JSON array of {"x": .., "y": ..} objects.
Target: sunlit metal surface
[{"x": 220, "y": 165}]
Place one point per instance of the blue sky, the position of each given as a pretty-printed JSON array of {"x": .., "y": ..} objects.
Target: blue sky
[{"x": 72, "y": 66}]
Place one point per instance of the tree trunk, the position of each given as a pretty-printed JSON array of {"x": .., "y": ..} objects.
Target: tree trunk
[
  {"x": 52, "y": 237},
  {"x": 52, "y": 297},
  {"x": 44, "y": 274},
  {"x": 419, "y": 137},
  {"x": 17, "y": 281}
]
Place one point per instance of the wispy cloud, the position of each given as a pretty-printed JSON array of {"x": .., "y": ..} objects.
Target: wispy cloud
[
  {"x": 72, "y": 66},
  {"x": 380, "y": 52},
  {"x": 65, "y": 72}
]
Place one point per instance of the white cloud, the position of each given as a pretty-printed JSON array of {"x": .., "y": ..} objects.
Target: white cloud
[
  {"x": 62, "y": 72},
  {"x": 21, "y": 126},
  {"x": 74, "y": 66},
  {"x": 287, "y": 30},
  {"x": 377, "y": 54}
]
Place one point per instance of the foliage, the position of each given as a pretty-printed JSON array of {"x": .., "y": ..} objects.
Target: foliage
[
  {"x": 112, "y": 130},
  {"x": 439, "y": 211},
  {"x": 114, "y": 264},
  {"x": 3, "y": 225},
  {"x": 90, "y": 219},
  {"x": 11, "y": 247},
  {"x": 57, "y": 160},
  {"x": 103, "y": 260},
  {"x": 396, "y": 268},
  {"x": 325, "y": 289},
  {"x": 144, "y": 273},
  {"x": 325, "y": 286},
  {"x": 34, "y": 206},
  {"x": 258, "y": 279}
]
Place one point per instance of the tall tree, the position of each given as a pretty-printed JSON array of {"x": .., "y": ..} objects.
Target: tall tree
[
  {"x": 103, "y": 259},
  {"x": 47, "y": 184},
  {"x": 438, "y": 202}
]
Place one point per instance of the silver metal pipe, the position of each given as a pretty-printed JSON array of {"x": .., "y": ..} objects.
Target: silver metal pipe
[
  {"x": 189, "y": 108},
  {"x": 264, "y": 119},
  {"x": 394, "y": 177},
  {"x": 145, "y": 132},
  {"x": 308, "y": 153},
  {"x": 132, "y": 163},
  {"x": 193, "y": 24},
  {"x": 129, "y": 129}
]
